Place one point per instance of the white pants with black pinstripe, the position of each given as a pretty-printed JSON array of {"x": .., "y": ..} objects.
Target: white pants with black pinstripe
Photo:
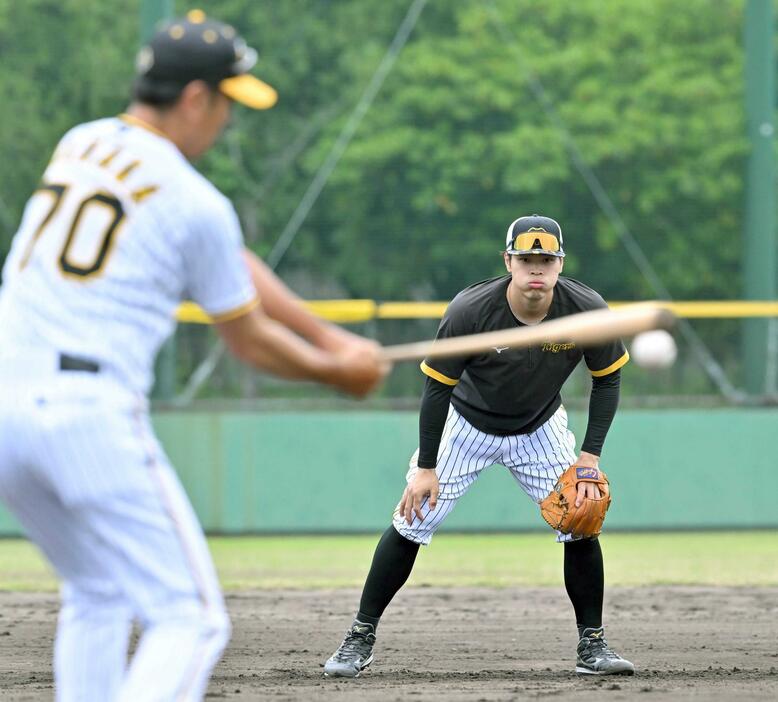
[
  {"x": 535, "y": 460},
  {"x": 82, "y": 471}
]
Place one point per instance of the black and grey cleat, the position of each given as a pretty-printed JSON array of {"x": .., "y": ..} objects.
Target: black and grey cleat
[
  {"x": 596, "y": 658},
  {"x": 354, "y": 654}
]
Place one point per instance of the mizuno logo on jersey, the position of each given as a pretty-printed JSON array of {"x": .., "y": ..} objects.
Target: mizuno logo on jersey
[{"x": 500, "y": 349}]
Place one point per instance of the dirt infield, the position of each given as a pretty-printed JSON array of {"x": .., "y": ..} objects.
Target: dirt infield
[{"x": 459, "y": 644}]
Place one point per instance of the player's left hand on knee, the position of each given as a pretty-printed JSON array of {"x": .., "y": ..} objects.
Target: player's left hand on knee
[{"x": 424, "y": 484}]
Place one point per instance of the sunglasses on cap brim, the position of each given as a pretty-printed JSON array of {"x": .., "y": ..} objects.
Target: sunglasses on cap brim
[{"x": 528, "y": 241}]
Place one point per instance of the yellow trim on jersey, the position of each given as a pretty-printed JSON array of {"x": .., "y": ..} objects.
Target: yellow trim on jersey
[
  {"x": 138, "y": 122},
  {"x": 237, "y": 312},
  {"x": 435, "y": 375},
  {"x": 89, "y": 149},
  {"x": 612, "y": 367},
  {"x": 143, "y": 193},
  {"x": 110, "y": 157},
  {"x": 129, "y": 168}
]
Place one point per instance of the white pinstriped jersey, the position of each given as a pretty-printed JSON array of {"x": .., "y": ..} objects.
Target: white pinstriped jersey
[{"x": 121, "y": 229}]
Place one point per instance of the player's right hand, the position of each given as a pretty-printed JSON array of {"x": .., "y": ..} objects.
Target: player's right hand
[
  {"x": 360, "y": 368},
  {"x": 424, "y": 484}
]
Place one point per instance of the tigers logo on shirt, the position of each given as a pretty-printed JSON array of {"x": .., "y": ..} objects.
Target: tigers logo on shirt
[{"x": 557, "y": 347}]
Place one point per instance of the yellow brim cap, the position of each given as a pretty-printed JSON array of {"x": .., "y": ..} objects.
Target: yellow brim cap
[{"x": 249, "y": 91}]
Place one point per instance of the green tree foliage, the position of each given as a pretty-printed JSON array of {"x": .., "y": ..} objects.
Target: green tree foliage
[
  {"x": 456, "y": 144},
  {"x": 64, "y": 62}
]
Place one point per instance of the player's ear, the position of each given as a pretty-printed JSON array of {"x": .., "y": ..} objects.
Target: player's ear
[
  {"x": 507, "y": 259},
  {"x": 196, "y": 95}
]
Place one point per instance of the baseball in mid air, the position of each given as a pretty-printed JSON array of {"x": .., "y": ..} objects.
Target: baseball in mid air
[{"x": 654, "y": 349}]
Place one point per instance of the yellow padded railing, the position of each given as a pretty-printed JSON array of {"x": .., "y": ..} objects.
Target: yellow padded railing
[{"x": 355, "y": 311}]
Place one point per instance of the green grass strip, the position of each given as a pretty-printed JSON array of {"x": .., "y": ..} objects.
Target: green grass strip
[{"x": 454, "y": 560}]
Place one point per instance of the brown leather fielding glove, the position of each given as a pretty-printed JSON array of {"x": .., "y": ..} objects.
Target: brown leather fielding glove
[{"x": 559, "y": 510}]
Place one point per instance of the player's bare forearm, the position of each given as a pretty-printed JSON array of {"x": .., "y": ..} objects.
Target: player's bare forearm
[
  {"x": 283, "y": 305},
  {"x": 268, "y": 345}
]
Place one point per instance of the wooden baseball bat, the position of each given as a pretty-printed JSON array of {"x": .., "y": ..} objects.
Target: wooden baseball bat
[{"x": 584, "y": 329}]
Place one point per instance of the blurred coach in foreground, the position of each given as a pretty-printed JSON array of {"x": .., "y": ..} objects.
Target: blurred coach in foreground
[{"x": 120, "y": 230}]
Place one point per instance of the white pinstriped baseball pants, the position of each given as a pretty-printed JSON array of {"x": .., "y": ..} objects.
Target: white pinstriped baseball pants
[
  {"x": 535, "y": 460},
  {"x": 83, "y": 473}
]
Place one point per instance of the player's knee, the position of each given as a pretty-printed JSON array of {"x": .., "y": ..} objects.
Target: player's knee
[
  {"x": 208, "y": 621},
  {"x": 221, "y": 622},
  {"x": 211, "y": 620},
  {"x": 209, "y": 624},
  {"x": 216, "y": 626},
  {"x": 417, "y": 536}
]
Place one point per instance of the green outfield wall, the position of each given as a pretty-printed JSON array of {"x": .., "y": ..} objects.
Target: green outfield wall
[{"x": 344, "y": 471}]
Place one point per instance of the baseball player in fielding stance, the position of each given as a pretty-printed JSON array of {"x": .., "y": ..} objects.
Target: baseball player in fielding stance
[
  {"x": 502, "y": 407},
  {"x": 120, "y": 230}
]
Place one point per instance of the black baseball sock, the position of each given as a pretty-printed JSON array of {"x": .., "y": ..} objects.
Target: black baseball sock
[
  {"x": 392, "y": 564},
  {"x": 585, "y": 581}
]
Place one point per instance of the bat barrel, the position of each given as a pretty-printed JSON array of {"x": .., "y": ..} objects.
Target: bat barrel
[{"x": 584, "y": 329}]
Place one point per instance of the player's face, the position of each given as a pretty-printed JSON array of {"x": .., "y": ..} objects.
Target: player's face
[{"x": 534, "y": 275}]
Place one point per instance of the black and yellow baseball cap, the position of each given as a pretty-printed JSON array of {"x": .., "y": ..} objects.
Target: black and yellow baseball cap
[
  {"x": 534, "y": 234},
  {"x": 196, "y": 47}
]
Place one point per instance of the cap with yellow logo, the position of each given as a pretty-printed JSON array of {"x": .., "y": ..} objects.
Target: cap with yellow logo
[
  {"x": 196, "y": 47},
  {"x": 534, "y": 234}
]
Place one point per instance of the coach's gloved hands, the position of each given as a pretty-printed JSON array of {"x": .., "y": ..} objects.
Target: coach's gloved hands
[{"x": 424, "y": 484}]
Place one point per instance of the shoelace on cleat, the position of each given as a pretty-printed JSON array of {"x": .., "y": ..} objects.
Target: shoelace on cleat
[
  {"x": 599, "y": 648},
  {"x": 353, "y": 643}
]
